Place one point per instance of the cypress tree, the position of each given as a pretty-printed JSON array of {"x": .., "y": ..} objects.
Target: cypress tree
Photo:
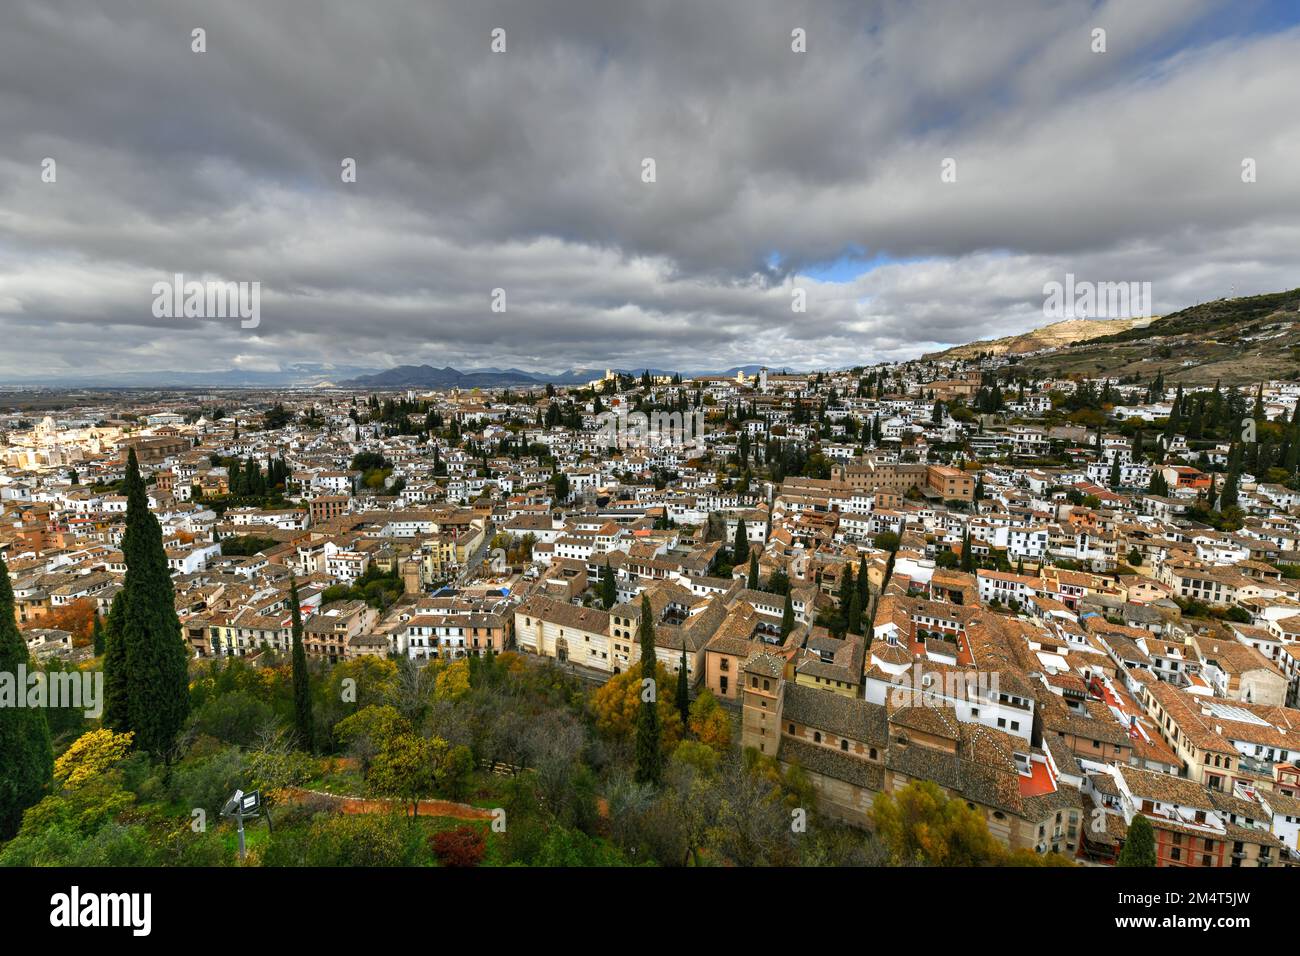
[
  {"x": 608, "y": 590},
  {"x": 753, "y": 571},
  {"x": 97, "y": 636},
  {"x": 1229, "y": 497},
  {"x": 114, "y": 716},
  {"x": 683, "y": 689},
  {"x": 649, "y": 760},
  {"x": 847, "y": 588},
  {"x": 301, "y": 680},
  {"x": 741, "y": 547},
  {"x": 26, "y": 759},
  {"x": 155, "y": 657},
  {"x": 1139, "y": 845},
  {"x": 1172, "y": 423},
  {"x": 787, "y": 616},
  {"x": 855, "y": 614}
]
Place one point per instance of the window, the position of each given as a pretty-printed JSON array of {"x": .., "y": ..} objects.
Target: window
[
  {"x": 817, "y": 736},
  {"x": 844, "y": 744}
]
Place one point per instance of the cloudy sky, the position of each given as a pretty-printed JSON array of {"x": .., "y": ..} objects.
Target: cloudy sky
[{"x": 522, "y": 170}]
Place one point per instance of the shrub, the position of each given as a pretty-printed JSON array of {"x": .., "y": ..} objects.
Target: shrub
[{"x": 463, "y": 846}]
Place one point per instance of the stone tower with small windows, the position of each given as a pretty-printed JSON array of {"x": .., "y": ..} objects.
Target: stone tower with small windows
[{"x": 763, "y": 676}]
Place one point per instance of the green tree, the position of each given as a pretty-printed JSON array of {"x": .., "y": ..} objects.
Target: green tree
[
  {"x": 920, "y": 824},
  {"x": 26, "y": 759},
  {"x": 855, "y": 613},
  {"x": 683, "y": 688},
  {"x": 740, "y": 550},
  {"x": 301, "y": 679},
  {"x": 1139, "y": 845},
  {"x": 154, "y": 658},
  {"x": 787, "y": 616},
  {"x": 406, "y": 768},
  {"x": 649, "y": 759},
  {"x": 753, "y": 571},
  {"x": 97, "y": 636},
  {"x": 115, "y": 676},
  {"x": 608, "y": 589}
]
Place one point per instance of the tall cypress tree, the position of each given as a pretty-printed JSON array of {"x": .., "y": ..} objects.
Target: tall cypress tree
[
  {"x": 741, "y": 549},
  {"x": 683, "y": 689},
  {"x": 787, "y": 616},
  {"x": 155, "y": 657},
  {"x": 1229, "y": 497},
  {"x": 115, "y": 716},
  {"x": 97, "y": 636},
  {"x": 847, "y": 587},
  {"x": 649, "y": 760},
  {"x": 301, "y": 680},
  {"x": 26, "y": 759},
  {"x": 608, "y": 589},
  {"x": 753, "y": 571},
  {"x": 855, "y": 613}
]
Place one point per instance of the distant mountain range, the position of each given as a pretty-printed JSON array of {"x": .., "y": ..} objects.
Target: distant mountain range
[
  {"x": 426, "y": 376},
  {"x": 309, "y": 374},
  {"x": 297, "y": 373}
]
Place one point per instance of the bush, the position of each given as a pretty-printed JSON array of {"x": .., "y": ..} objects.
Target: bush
[
  {"x": 208, "y": 782},
  {"x": 358, "y": 840},
  {"x": 235, "y": 718},
  {"x": 463, "y": 846}
]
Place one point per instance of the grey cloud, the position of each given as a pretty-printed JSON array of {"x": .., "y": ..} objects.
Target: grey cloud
[{"x": 522, "y": 171}]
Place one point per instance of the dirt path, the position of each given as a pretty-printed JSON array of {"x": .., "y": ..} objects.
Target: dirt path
[{"x": 430, "y": 808}]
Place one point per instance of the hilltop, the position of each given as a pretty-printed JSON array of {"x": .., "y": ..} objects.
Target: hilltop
[
  {"x": 1233, "y": 341},
  {"x": 1057, "y": 334}
]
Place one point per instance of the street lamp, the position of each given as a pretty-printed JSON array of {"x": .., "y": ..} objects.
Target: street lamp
[{"x": 244, "y": 805}]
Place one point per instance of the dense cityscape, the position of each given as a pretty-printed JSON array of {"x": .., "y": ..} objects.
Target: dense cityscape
[{"x": 950, "y": 610}]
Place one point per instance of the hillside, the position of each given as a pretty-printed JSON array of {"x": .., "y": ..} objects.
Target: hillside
[
  {"x": 1055, "y": 335},
  {"x": 1235, "y": 341}
]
